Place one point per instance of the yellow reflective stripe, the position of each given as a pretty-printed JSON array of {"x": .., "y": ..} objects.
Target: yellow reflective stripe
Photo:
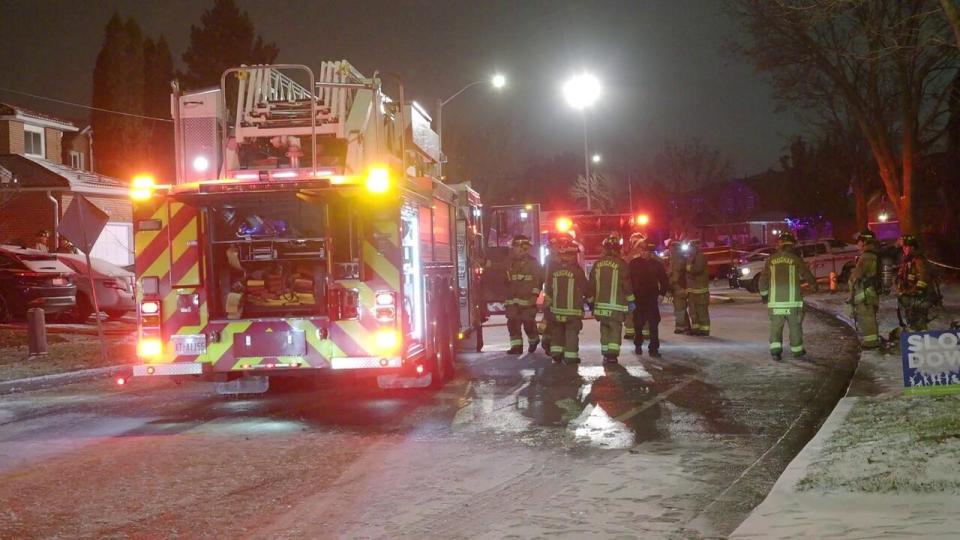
[
  {"x": 790, "y": 282},
  {"x": 615, "y": 284}
]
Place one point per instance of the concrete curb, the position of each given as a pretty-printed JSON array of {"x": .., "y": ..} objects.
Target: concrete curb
[{"x": 58, "y": 379}]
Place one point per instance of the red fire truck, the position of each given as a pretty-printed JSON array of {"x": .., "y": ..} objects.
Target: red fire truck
[{"x": 305, "y": 233}]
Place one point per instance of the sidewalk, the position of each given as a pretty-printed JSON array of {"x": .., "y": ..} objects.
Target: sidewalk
[{"x": 883, "y": 464}]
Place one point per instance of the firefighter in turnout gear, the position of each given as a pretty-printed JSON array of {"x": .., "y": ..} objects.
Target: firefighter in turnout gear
[
  {"x": 649, "y": 280},
  {"x": 913, "y": 287},
  {"x": 865, "y": 289},
  {"x": 524, "y": 278},
  {"x": 611, "y": 296},
  {"x": 678, "y": 288},
  {"x": 634, "y": 246},
  {"x": 698, "y": 290},
  {"x": 552, "y": 260},
  {"x": 565, "y": 294},
  {"x": 780, "y": 290}
]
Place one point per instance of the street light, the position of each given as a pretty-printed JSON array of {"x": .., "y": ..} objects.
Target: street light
[
  {"x": 498, "y": 81},
  {"x": 581, "y": 92},
  {"x": 596, "y": 158}
]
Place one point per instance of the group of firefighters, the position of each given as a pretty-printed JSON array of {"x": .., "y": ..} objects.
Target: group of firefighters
[{"x": 624, "y": 291}]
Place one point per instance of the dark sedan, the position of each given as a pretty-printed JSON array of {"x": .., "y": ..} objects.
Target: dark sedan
[{"x": 29, "y": 279}]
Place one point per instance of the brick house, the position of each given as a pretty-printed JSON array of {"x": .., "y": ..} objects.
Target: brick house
[{"x": 37, "y": 186}]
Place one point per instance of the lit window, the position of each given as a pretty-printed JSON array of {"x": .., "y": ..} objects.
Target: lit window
[{"x": 33, "y": 141}]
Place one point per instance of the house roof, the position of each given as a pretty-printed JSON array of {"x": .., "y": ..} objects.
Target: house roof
[
  {"x": 22, "y": 114},
  {"x": 36, "y": 173}
]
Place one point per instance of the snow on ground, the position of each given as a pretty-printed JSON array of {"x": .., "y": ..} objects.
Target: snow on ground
[{"x": 883, "y": 464}]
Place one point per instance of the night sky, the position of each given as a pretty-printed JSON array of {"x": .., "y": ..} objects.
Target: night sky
[{"x": 665, "y": 70}]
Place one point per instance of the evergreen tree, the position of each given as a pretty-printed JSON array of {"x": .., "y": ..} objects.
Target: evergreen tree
[
  {"x": 158, "y": 72},
  {"x": 225, "y": 38}
]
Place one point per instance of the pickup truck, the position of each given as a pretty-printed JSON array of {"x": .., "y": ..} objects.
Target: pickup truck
[{"x": 823, "y": 257}]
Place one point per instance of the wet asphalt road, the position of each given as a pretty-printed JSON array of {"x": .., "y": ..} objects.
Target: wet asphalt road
[{"x": 682, "y": 446}]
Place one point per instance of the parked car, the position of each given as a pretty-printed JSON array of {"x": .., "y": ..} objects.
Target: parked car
[
  {"x": 758, "y": 254},
  {"x": 823, "y": 257},
  {"x": 114, "y": 288},
  {"x": 31, "y": 278}
]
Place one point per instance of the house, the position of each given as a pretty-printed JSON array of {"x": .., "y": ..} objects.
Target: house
[{"x": 45, "y": 162}]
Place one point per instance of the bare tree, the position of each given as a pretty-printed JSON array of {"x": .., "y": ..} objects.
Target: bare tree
[
  {"x": 952, "y": 12},
  {"x": 687, "y": 165},
  {"x": 600, "y": 188},
  {"x": 888, "y": 63}
]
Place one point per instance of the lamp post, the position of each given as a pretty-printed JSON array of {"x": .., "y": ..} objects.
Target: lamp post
[
  {"x": 581, "y": 92},
  {"x": 498, "y": 81}
]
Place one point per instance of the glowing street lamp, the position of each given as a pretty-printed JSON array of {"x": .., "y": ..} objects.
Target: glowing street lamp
[
  {"x": 582, "y": 92},
  {"x": 596, "y": 158}
]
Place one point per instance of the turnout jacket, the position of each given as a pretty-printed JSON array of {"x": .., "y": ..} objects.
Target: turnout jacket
[
  {"x": 524, "y": 279},
  {"x": 678, "y": 270},
  {"x": 649, "y": 278},
  {"x": 566, "y": 290},
  {"x": 610, "y": 288},
  {"x": 913, "y": 275},
  {"x": 780, "y": 279},
  {"x": 697, "y": 273},
  {"x": 864, "y": 278}
]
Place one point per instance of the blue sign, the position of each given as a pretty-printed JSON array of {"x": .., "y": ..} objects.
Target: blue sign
[{"x": 931, "y": 362}]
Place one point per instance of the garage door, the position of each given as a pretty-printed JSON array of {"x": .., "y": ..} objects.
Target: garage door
[{"x": 115, "y": 244}]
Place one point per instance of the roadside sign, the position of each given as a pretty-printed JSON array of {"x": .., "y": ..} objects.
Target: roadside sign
[
  {"x": 82, "y": 223},
  {"x": 931, "y": 362}
]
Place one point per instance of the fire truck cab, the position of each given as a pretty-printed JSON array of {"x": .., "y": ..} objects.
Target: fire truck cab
[{"x": 305, "y": 233}]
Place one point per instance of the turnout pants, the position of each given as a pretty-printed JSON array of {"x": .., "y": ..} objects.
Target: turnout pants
[
  {"x": 915, "y": 312},
  {"x": 682, "y": 323},
  {"x": 699, "y": 311},
  {"x": 866, "y": 317},
  {"x": 628, "y": 330},
  {"x": 522, "y": 318},
  {"x": 792, "y": 317},
  {"x": 647, "y": 315},
  {"x": 611, "y": 327},
  {"x": 565, "y": 341}
]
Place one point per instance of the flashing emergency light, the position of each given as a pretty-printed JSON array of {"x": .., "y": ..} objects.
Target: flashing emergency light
[
  {"x": 684, "y": 246},
  {"x": 149, "y": 348},
  {"x": 142, "y": 187},
  {"x": 642, "y": 219},
  {"x": 150, "y": 307},
  {"x": 387, "y": 340},
  {"x": 883, "y": 217},
  {"x": 201, "y": 163},
  {"x": 564, "y": 224},
  {"x": 378, "y": 180}
]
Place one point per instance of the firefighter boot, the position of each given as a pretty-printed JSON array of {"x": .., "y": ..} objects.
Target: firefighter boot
[
  {"x": 609, "y": 358},
  {"x": 654, "y": 353},
  {"x": 533, "y": 347},
  {"x": 516, "y": 349}
]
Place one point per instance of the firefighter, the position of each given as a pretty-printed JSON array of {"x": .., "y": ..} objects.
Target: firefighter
[
  {"x": 636, "y": 241},
  {"x": 565, "y": 294},
  {"x": 524, "y": 279},
  {"x": 611, "y": 296},
  {"x": 649, "y": 280},
  {"x": 865, "y": 288},
  {"x": 913, "y": 280},
  {"x": 780, "y": 290},
  {"x": 552, "y": 260},
  {"x": 698, "y": 290},
  {"x": 678, "y": 288}
]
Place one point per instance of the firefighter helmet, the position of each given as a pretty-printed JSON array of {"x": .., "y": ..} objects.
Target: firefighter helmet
[
  {"x": 613, "y": 242},
  {"x": 786, "y": 238},
  {"x": 521, "y": 240},
  {"x": 866, "y": 235},
  {"x": 910, "y": 240}
]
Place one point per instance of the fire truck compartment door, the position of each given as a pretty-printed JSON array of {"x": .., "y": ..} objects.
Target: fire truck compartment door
[
  {"x": 184, "y": 245},
  {"x": 282, "y": 343}
]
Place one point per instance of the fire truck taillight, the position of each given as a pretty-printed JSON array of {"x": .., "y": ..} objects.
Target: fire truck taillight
[
  {"x": 385, "y": 309},
  {"x": 149, "y": 348},
  {"x": 150, "y": 307},
  {"x": 387, "y": 340},
  {"x": 378, "y": 180},
  {"x": 564, "y": 224}
]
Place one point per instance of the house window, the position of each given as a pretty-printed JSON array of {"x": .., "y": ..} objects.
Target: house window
[
  {"x": 33, "y": 141},
  {"x": 76, "y": 159}
]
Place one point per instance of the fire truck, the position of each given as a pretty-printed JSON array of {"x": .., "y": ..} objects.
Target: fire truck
[
  {"x": 590, "y": 229},
  {"x": 305, "y": 233}
]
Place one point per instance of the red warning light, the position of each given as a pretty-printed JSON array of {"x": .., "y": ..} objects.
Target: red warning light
[
  {"x": 642, "y": 219},
  {"x": 564, "y": 224},
  {"x": 121, "y": 381}
]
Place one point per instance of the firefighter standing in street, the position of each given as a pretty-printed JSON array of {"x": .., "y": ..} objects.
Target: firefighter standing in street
[
  {"x": 565, "y": 294},
  {"x": 634, "y": 246},
  {"x": 913, "y": 281},
  {"x": 865, "y": 289},
  {"x": 678, "y": 288},
  {"x": 698, "y": 290},
  {"x": 524, "y": 278},
  {"x": 611, "y": 294},
  {"x": 780, "y": 290},
  {"x": 649, "y": 280}
]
